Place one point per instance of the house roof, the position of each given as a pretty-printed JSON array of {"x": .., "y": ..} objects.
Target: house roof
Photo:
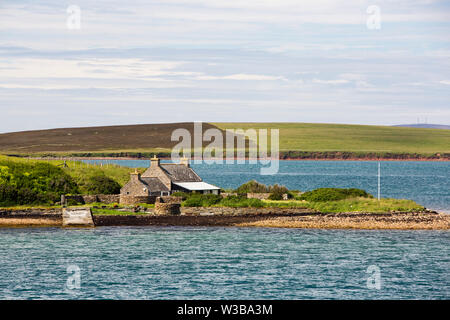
[
  {"x": 180, "y": 172},
  {"x": 154, "y": 184},
  {"x": 196, "y": 186}
]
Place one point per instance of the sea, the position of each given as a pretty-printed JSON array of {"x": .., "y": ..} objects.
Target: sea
[{"x": 244, "y": 263}]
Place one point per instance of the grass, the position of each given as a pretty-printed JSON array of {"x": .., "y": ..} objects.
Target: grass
[
  {"x": 352, "y": 138},
  {"x": 352, "y": 205}
]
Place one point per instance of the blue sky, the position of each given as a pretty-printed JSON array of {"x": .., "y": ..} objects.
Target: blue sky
[{"x": 223, "y": 60}]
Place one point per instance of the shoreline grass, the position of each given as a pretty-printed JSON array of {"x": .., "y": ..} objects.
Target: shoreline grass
[{"x": 359, "y": 204}]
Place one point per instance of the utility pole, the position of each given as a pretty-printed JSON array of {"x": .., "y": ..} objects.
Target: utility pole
[{"x": 379, "y": 176}]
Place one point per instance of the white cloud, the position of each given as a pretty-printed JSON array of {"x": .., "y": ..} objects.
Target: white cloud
[
  {"x": 333, "y": 82},
  {"x": 242, "y": 76}
]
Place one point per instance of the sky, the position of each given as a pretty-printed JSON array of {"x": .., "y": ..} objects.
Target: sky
[{"x": 92, "y": 63}]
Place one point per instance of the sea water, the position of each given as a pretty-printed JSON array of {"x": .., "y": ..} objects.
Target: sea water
[{"x": 223, "y": 263}]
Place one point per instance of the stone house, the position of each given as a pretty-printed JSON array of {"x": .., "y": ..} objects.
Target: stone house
[{"x": 162, "y": 179}]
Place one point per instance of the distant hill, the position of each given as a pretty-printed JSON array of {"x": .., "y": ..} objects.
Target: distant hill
[
  {"x": 424, "y": 125},
  {"x": 127, "y": 137},
  {"x": 319, "y": 138},
  {"x": 353, "y": 138}
]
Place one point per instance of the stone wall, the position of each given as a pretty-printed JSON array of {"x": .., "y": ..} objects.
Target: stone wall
[
  {"x": 167, "y": 205},
  {"x": 108, "y": 198},
  {"x": 169, "y": 199},
  {"x": 260, "y": 196},
  {"x": 132, "y": 200},
  {"x": 102, "y": 198},
  {"x": 228, "y": 194}
]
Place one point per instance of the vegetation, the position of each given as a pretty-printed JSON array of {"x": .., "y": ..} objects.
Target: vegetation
[
  {"x": 332, "y": 194},
  {"x": 201, "y": 200},
  {"x": 241, "y": 202},
  {"x": 34, "y": 183},
  {"x": 276, "y": 191},
  {"x": 252, "y": 186},
  {"x": 39, "y": 182},
  {"x": 352, "y": 205},
  {"x": 101, "y": 184}
]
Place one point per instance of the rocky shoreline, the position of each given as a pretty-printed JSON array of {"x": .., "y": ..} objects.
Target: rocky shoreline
[{"x": 242, "y": 217}]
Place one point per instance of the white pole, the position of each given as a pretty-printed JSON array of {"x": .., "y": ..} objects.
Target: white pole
[{"x": 379, "y": 187}]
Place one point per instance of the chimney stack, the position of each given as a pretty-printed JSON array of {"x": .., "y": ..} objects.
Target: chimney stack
[
  {"x": 135, "y": 175},
  {"x": 184, "y": 161},
  {"x": 154, "y": 162}
]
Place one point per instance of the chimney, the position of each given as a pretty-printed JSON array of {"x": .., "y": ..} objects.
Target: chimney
[
  {"x": 154, "y": 162},
  {"x": 184, "y": 161},
  {"x": 135, "y": 176}
]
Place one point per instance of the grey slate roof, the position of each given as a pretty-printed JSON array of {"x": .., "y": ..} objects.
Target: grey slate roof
[
  {"x": 180, "y": 173},
  {"x": 154, "y": 184}
]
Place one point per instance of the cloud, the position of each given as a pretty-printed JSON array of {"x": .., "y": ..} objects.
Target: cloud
[
  {"x": 242, "y": 76},
  {"x": 333, "y": 82},
  {"x": 263, "y": 60}
]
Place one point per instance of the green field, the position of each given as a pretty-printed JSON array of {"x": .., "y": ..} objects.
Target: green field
[
  {"x": 297, "y": 141},
  {"x": 353, "y": 138}
]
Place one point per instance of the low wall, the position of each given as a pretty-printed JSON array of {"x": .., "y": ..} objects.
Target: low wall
[
  {"x": 132, "y": 200},
  {"x": 88, "y": 198},
  {"x": 228, "y": 194},
  {"x": 260, "y": 196},
  {"x": 168, "y": 205},
  {"x": 170, "y": 199}
]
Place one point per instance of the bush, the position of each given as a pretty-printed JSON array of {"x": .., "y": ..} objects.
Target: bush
[
  {"x": 33, "y": 183},
  {"x": 252, "y": 186},
  {"x": 201, "y": 200},
  {"x": 333, "y": 194},
  {"x": 277, "y": 191},
  {"x": 101, "y": 184},
  {"x": 183, "y": 195}
]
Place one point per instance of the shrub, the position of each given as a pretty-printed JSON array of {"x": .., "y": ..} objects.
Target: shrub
[
  {"x": 333, "y": 194},
  {"x": 252, "y": 186},
  {"x": 201, "y": 200},
  {"x": 101, "y": 184},
  {"x": 33, "y": 183},
  {"x": 277, "y": 191},
  {"x": 183, "y": 195}
]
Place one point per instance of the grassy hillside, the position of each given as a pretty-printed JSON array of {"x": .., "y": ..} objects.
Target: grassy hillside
[
  {"x": 311, "y": 139},
  {"x": 145, "y": 137},
  {"x": 353, "y": 138}
]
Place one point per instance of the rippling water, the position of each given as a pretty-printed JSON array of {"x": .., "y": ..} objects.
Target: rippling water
[
  {"x": 428, "y": 183},
  {"x": 218, "y": 263}
]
